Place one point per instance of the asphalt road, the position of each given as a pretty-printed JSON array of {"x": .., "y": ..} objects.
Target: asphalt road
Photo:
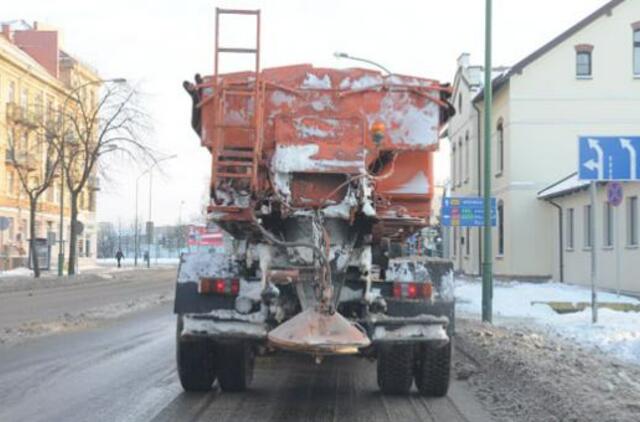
[
  {"x": 124, "y": 370},
  {"x": 30, "y": 300}
]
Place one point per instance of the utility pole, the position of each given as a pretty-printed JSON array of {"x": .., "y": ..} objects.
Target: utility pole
[
  {"x": 594, "y": 253},
  {"x": 487, "y": 262}
]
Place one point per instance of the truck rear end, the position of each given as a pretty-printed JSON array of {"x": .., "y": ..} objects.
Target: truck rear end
[{"x": 318, "y": 175}]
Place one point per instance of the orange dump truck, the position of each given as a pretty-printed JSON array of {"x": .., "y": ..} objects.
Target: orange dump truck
[{"x": 318, "y": 176}]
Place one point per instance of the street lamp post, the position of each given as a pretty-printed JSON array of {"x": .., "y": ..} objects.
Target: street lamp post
[
  {"x": 342, "y": 55},
  {"x": 135, "y": 227},
  {"x": 487, "y": 261},
  {"x": 136, "y": 236},
  {"x": 64, "y": 106}
]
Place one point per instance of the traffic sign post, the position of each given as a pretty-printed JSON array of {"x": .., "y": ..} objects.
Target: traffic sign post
[
  {"x": 594, "y": 255},
  {"x": 615, "y": 196},
  {"x": 613, "y": 159}
]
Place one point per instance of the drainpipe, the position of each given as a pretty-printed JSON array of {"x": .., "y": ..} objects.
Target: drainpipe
[
  {"x": 560, "y": 237},
  {"x": 479, "y": 167}
]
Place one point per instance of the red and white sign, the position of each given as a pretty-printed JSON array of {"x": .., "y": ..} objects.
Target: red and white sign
[{"x": 200, "y": 236}]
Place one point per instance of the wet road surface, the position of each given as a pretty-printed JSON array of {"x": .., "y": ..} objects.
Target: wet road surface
[{"x": 125, "y": 371}]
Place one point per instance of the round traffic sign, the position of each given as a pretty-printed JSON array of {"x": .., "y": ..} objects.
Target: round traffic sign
[
  {"x": 79, "y": 227},
  {"x": 615, "y": 195}
]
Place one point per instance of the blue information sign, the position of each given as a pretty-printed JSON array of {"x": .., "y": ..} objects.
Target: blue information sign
[
  {"x": 609, "y": 158},
  {"x": 466, "y": 212}
]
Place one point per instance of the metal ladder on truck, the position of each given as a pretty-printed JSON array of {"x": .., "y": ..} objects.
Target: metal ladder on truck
[{"x": 234, "y": 164}]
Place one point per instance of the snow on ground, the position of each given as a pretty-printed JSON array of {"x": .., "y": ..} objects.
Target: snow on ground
[
  {"x": 616, "y": 332},
  {"x": 17, "y": 272},
  {"x": 111, "y": 262}
]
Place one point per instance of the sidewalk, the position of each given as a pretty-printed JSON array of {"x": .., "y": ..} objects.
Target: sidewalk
[{"x": 617, "y": 333}]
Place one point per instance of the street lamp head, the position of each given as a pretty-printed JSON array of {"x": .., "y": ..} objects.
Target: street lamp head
[
  {"x": 341, "y": 55},
  {"x": 116, "y": 80}
]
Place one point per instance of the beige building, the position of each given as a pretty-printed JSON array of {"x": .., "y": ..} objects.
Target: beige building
[
  {"x": 616, "y": 236},
  {"x": 36, "y": 77},
  {"x": 586, "y": 81}
]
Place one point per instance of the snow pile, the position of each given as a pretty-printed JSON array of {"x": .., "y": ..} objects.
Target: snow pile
[
  {"x": 17, "y": 272},
  {"x": 616, "y": 332},
  {"x": 128, "y": 262}
]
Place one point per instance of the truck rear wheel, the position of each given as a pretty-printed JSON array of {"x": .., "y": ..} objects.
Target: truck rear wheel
[
  {"x": 195, "y": 361},
  {"x": 432, "y": 371},
  {"x": 395, "y": 369},
  {"x": 235, "y": 366}
]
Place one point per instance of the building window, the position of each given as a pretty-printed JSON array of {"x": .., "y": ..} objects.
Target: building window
[
  {"x": 12, "y": 92},
  {"x": 501, "y": 228},
  {"x": 570, "y": 228},
  {"x": 50, "y": 192},
  {"x": 467, "y": 155},
  {"x": 467, "y": 241},
  {"x": 10, "y": 184},
  {"x": 632, "y": 221},
  {"x": 608, "y": 225},
  {"x": 24, "y": 98},
  {"x": 500, "y": 149},
  {"x": 584, "y": 68},
  {"x": 460, "y": 103},
  {"x": 460, "y": 164},
  {"x": 636, "y": 51},
  {"x": 588, "y": 238},
  {"x": 454, "y": 170}
]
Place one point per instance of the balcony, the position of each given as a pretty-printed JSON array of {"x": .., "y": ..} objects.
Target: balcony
[
  {"x": 22, "y": 116},
  {"x": 25, "y": 160},
  {"x": 94, "y": 183},
  {"x": 9, "y": 156}
]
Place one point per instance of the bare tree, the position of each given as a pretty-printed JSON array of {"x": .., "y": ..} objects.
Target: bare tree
[
  {"x": 113, "y": 124},
  {"x": 33, "y": 153}
]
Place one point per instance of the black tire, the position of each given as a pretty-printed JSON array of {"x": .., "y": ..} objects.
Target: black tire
[
  {"x": 195, "y": 361},
  {"x": 235, "y": 366},
  {"x": 395, "y": 369},
  {"x": 432, "y": 370}
]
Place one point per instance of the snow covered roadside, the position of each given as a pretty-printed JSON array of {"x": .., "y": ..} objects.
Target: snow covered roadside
[
  {"x": 525, "y": 376},
  {"x": 128, "y": 263},
  {"x": 17, "y": 272},
  {"x": 616, "y": 333},
  {"x": 82, "y": 320}
]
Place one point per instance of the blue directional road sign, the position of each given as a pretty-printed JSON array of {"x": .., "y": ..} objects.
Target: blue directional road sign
[
  {"x": 609, "y": 158},
  {"x": 466, "y": 212}
]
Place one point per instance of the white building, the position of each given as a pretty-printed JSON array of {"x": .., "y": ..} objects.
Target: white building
[{"x": 586, "y": 81}]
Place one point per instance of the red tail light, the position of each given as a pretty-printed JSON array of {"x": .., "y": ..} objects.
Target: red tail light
[
  {"x": 412, "y": 290},
  {"x": 219, "y": 286}
]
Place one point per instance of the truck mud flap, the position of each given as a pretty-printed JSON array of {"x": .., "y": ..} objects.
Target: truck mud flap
[
  {"x": 423, "y": 329},
  {"x": 217, "y": 329}
]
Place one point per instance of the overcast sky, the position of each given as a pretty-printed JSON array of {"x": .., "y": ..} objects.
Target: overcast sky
[{"x": 159, "y": 43}]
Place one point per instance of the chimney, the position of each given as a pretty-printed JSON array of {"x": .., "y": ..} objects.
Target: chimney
[
  {"x": 6, "y": 31},
  {"x": 464, "y": 59},
  {"x": 35, "y": 25}
]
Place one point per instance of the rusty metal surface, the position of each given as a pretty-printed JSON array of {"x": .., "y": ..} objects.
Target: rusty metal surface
[
  {"x": 297, "y": 121},
  {"x": 318, "y": 333}
]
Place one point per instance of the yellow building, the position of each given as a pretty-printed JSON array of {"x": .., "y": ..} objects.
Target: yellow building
[{"x": 37, "y": 78}]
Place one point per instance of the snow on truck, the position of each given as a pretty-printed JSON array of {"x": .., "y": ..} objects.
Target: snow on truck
[{"x": 317, "y": 176}]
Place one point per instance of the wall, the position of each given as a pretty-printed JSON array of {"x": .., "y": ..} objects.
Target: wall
[{"x": 578, "y": 260}]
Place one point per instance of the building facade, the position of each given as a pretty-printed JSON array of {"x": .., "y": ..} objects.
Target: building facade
[
  {"x": 36, "y": 79},
  {"x": 616, "y": 236},
  {"x": 463, "y": 133},
  {"x": 586, "y": 81}
]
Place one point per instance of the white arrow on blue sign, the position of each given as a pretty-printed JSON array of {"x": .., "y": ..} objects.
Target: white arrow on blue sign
[{"x": 609, "y": 158}]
